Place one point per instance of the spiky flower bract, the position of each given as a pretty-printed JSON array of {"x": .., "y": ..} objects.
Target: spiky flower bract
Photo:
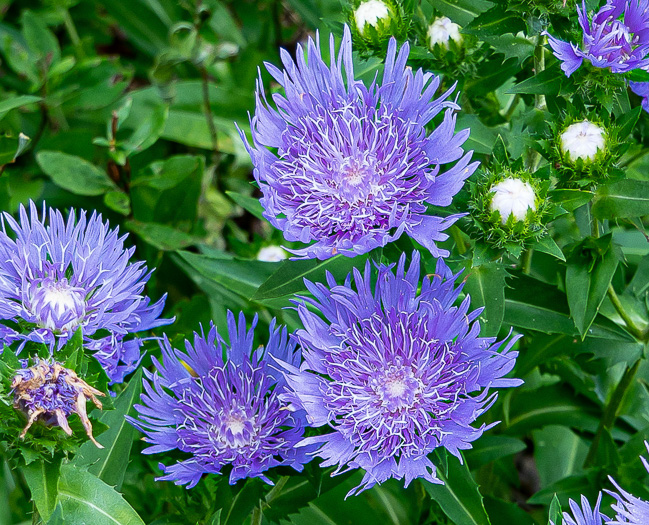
[
  {"x": 222, "y": 412},
  {"x": 629, "y": 509},
  {"x": 351, "y": 167},
  {"x": 617, "y": 38},
  {"x": 58, "y": 276},
  {"x": 393, "y": 371},
  {"x": 584, "y": 515}
]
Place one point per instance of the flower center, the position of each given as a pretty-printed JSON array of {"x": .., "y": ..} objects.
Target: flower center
[
  {"x": 397, "y": 388},
  {"x": 57, "y": 305},
  {"x": 236, "y": 430}
]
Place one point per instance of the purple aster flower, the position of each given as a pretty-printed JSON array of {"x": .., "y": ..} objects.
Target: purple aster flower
[
  {"x": 51, "y": 393},
  {"x": 642, "y": 90},
  {"x": 393, "y": 371},
  {"x": 222, "y": 411},
  {"x": 617, "y": 38},
  {"x": 66, "y": 275},
  {"x": 628, "y": 508},
  {"x": 584, "y": 515},
  {"x": 352, "y": 167}
]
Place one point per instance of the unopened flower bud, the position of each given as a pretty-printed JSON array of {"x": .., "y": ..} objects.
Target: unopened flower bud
[
  {"x": 582, "y": 140},
  {"x": 442, "y": 31},
  {"x": 371, "y": 12},
  {"x": 513, "y": 197}
]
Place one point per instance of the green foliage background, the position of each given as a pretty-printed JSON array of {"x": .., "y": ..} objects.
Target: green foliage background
[{"x": 129, "y": 108}]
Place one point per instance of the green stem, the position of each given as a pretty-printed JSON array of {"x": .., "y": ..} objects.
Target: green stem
[
  {"x": 208, "y": 111},
  {"x": 632, "y": 328},
  {"x": 456, "y": 234},
  {"x": 35, "y": 517},
  {"x": 74, "y": 35},
  {"x": 526, "y": 261},
  {"x": 611, "y": 411},
  {"x": 534, "y": 157}
]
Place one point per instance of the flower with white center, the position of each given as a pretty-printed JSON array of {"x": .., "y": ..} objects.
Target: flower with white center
[
  {"x": 393, "y": 370},
  {"x": 582, "y": 140},
  {"x": 513, "y": 197},
  {"x": 220, "y": 405},
  {"x": 442, "y": 30},
  {"x": 59, "y": 275},
  {"x": 272, "y": 254},
  {"x": 370, "y": 12}
]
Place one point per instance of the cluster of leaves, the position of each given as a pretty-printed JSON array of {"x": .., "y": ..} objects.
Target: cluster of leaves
[{"x": 129, "y": 108}]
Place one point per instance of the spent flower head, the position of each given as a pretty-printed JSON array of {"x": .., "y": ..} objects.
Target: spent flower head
[
  {"x": 392, "y": 371},
  {"x": 222, "y": 412},
  {"x": 51, "y": 393},
  {"x": 616, "y": 38},
  {"x": 57, "y": 276},
  {"x": 349, "y": 167}
]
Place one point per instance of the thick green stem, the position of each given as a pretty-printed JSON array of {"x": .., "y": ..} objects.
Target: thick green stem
[
  {"x": 611, "y": 411},
  {"x": 526, "y": 261},
  {"x": 74, "y": 35},
  {"x": 632, "y": 328},
  {"x": 534, "y": 157}
]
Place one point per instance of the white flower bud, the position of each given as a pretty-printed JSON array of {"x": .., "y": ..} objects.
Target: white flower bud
[
  {"x": 582, "y": 140},
  {"x": 442, "y": 30},
  {"x": 513, "y": 196},
  {"x": 370, "y": 12},
  {"x": 271, "y": 254}
]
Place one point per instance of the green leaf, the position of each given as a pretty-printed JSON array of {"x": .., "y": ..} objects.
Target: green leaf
[
  {"x": 458, "y": 496},
  {"x": 590, "y": 269},
  {"x": 558, "y": 452},
  {"x": 16, "y": 102},
  {"x": 85, "y": 498},
  {"x": 549, "y": 82},
  {"x": 461, "y": 11},
  {"x": 549, "y": 246},
  {"x": 161, "y": 236},
  {"x": 148, "y": 131},
  {"x": 482, "y": 138},
  {"x": 486, "y": 286},
  {"x": 570, "y": 200},
  {"x": 289, "y": 278},
  {"x": 490, "y": 448},
  {"x": 572, "y": 487},
  {"x": 42, "y": 479},
  {"x": 250, "y": 204},
  {"x": 109, "y": 464},
  {"x": 74, "y": 173},
  {"x": 118, "y": 201},
  {"x": 240, "y": 276},
  {"x": 623, "y": 199},
  {"x": 495, "y": 22},
  {"x": 555, "y": 515},
  {"x": 534, "y": 305}
]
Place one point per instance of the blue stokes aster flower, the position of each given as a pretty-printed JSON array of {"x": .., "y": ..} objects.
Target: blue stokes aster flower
[
  {"x": 394, "y": 371},
  {"x": 584, "y": 515},
  {"x": 352, "y": 167},
  {"x": 617, "y": 38},
  {"x": 58, "y": 277},
  {"x": 628, "y": 508},
  {"x": 642, "y": 90},
  {"x": 222, "y": 412}
]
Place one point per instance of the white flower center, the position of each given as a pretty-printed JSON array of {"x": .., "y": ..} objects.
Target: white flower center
[
  {"x": 370, "y": 12},
  {"x": 582, "y": 140},
  {"x": 513, "y": 197},
  {"x": 271, "y": 254},
  {"x": 57, "y": 305},
  {"x": 442, "y": 30}
]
